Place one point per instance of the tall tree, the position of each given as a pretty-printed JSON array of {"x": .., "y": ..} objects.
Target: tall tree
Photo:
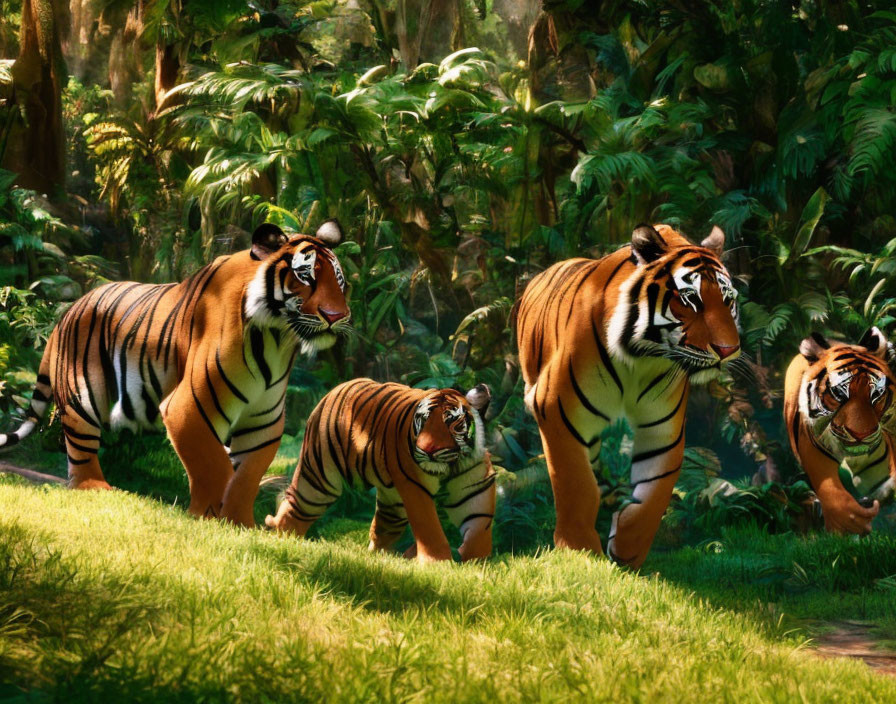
[{"x": 36, "y": 148}]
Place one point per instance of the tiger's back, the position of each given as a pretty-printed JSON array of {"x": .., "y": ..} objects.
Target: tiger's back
[
  {"x": 210, "y": 356},
  {"x": 370, "y": 432}
]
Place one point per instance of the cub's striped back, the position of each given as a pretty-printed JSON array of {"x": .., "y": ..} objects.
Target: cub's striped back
[{"x": 408, "y": 443}]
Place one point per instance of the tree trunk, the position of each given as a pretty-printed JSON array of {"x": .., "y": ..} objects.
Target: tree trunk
[
  {"x": 36, "y": 148},
  {"x": 428, "y": 30},
  {"x": 559, "y": 66},
  {"x": 167, "y": 71}
]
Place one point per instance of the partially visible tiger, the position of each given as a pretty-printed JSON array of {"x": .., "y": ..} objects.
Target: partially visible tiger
[
  {"x": 210, "y": 355},
  {"x": 838, "y": 405},
  {"x": 407, "y": 443},
  {"x": 623, "y": 336}
]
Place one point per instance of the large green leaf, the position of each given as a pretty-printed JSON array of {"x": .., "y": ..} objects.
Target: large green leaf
[{"x": 809, "y": 221}]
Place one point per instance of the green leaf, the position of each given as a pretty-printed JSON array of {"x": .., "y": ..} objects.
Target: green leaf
[{"x": 811, "y": 215}]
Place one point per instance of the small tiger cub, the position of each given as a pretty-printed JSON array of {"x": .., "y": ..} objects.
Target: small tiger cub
[
  {"x": 406, "y": 443},
  {"x": 838, "y": 404}
]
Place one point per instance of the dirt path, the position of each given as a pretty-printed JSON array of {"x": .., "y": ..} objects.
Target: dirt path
[
  {"x": 30, "y": 474},
  {"x": 854, "y": 639}
]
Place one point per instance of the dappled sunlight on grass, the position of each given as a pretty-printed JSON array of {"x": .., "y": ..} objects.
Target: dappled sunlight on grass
[{"x": 109, "y": 592}]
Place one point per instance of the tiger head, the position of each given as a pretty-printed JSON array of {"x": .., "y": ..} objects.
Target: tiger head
[
  {"x": 679, "y": 303},
  {"x": 299, "y": 285},
  {"x": 447, "y": 431},
  {"x": 846, "y": 392}
]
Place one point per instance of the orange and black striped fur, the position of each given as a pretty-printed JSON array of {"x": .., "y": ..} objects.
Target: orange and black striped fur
[
  {"x": 210, "y": 357},
  {"x": 623, "y": 336},
  {"x": 407, "y": 443},
  {"x": 838, "y": 404}
]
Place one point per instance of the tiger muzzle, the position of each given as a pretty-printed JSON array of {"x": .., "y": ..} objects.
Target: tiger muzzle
[{"x": 725, "y": 353}]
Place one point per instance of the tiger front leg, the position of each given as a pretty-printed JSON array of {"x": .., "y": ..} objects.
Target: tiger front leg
[
  {"x": 656, "y": 464},
  {"x": 842, "y": 513},
  {"x": 470, "y": 506},
  {"x": 389, "y": 521},
  {"x": 576, "y": 494},
  {"x": 197, "y": 442},
  {"x": 251, "y": 451},
  {"x": 431, "y": 542}
]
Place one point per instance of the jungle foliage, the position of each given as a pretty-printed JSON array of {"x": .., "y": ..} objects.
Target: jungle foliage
[{"x": 463, "y": 165}]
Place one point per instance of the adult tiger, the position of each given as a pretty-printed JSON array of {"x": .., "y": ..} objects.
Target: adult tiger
[
  {"x": 623, "y": 336},
  {"x": 211, "y": 356},
  {"x": 407, "y": 443},
  {"x": 838, "y": 402}
]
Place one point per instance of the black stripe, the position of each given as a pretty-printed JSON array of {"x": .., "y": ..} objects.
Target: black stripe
[
  {"x": 660, "y": 450},
  {"x": 605, "y": 357},
  {"x": 72, "y": 460},
  {"x": 471, "y": 495},
  {"x": 214, "y": 395},
  {"x": 656, "y": 380},
  {"x": 69, "y": 432},
  {"x": 246, "y": 431},
  {"x": 876, "y": 462},
  {"x": 670, "y": 415},
  {"x": 658, "y": 476},
  {"x": 572, "y": 430},
  {"x": 43, "y": 379},
  {"x": 204, "y": 416},
  {"x": 81, "y": 448},
  {"x": 257, "y": 447},
  {"x": 582, "y": 398},
  {"x": 256, "y": 341}
]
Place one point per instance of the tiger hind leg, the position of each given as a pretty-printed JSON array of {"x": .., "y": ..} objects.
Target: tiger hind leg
[
  {"x": 82, "y": 442},
  {"x": 389, "y": 521},
  {"x": 312, "y": 491}
]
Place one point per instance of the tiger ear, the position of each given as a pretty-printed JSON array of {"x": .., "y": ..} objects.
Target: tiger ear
[
  {"x": 875, "y": 342},
  {"x": 266, "y": 240},
  {"x": 813, "y": 347},
  {"x": 479, "y": 397},
  {"x": 715, "y": 242},
  {"x": 647, "y": 244},
  {"x": 329, "y": 232}
]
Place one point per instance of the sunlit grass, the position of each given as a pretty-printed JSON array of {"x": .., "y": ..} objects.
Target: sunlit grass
[{"x": 108, "y": 596}]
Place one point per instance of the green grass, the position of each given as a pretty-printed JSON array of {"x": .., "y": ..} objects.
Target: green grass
[{"x": 109, "y": 596}]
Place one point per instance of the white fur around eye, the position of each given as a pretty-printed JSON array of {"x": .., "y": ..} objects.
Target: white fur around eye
[
  {"x": 303, "y": 265},
  {"x": 340, "y": 277},
  {"x": 878, "y": 387},
  {"x": 421, "y": 415}
]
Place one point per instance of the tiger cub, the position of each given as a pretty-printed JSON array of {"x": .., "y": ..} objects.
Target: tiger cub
[
  {"x": 623, "y": 336},
  {"x": 407, "y": 443},
  {"x": 838, "y": 405},
  {"x": 209, "y": 356}
]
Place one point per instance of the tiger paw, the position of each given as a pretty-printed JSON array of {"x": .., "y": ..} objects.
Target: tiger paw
[
  {"x": 843, "y": 514},
  {"x": 91, "y": 484}
]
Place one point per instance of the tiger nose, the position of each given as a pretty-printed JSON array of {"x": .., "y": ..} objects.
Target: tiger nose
[
  {"x": 724, "y": 351},
  {"x": 331, "y": 316},
  {"x": 860, "y": 435}
]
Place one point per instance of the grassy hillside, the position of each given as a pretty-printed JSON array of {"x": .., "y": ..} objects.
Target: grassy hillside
[{"x": 110, "y": 597}]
